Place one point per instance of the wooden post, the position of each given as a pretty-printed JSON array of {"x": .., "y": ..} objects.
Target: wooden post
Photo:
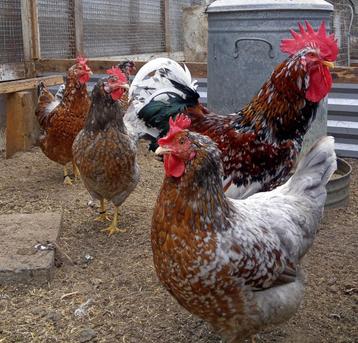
[
  {"x": 22, "y": 129},
  {"x": 30, "y": 32},
  {"x": 168, "y": 45},
  {"x": 78, "y": 15}
]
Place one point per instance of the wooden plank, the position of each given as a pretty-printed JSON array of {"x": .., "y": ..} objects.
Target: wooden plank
[
  {"x": 345, "y": 74},
  {"x": 12, "y": 71},
  {"x": 78, "y": 15},
  {"x": 100, "y": 66},
  {"x": 21, "y": 85},
  {"x": 22, "y": 128}
]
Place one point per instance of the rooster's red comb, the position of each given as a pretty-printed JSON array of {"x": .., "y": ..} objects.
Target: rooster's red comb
[
  {"x": 115, "y": 71},
  {"x": 180, "y": 123},
  {"x": 81, "y": 60},
  {"x": 310, "y": 38}
]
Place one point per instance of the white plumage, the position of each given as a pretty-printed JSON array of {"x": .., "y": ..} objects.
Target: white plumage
[{"x": 146, "y": 86}]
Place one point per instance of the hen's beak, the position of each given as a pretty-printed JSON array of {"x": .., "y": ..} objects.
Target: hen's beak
[
  {"x": 125, "y": 86},
  {"x": 162, "y": 151},
  {"x": 330, "y": 65}
]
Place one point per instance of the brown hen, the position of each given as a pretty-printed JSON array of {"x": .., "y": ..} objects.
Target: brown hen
[
  {"x": 104, "y": 152},
  {"x": 62, "y": 118}
]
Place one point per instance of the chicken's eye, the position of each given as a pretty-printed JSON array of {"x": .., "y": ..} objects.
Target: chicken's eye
[{"x": 181, "y": 140}]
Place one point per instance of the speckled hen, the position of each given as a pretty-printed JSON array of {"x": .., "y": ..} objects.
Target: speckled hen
[
  {"x": 259, "y": 143},
  {"x": 234, "y": 263},
  {"x": 62, "y": 117},
  {"x": 103, "y": 151}
]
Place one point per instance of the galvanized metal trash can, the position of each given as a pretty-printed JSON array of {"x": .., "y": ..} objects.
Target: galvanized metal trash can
[{"x": 243, "y": 48}]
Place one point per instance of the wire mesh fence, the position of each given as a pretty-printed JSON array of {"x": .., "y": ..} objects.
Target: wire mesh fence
[
  {"x": 56, "y": 24},
  {"x": 123, "y": 27},
  {"x": 11, "y": 44},
  {"x": 114, "y": 28},
  {"x": 342, "y": 19},
  {"x": 175, "y": 21}
]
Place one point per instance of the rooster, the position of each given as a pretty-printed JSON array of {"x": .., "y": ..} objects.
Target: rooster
[
  {"x": 103, "y": 151},
  {"x": 234, "y": 263},
  {"x": 260, "y": 143},
  {"x": 62, "y": 116}
]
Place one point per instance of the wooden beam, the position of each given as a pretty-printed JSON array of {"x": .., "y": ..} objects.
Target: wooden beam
[
  {"x": 21, "y": 85},
  {"x": 345, "y": 74},
  {"x": 22, "y": 128},
  {"x": 78, "y": 15},
  {"x": 100, "y": 66}
]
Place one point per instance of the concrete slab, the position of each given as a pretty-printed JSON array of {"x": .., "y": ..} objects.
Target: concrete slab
[{"x": 20, "y": 259}]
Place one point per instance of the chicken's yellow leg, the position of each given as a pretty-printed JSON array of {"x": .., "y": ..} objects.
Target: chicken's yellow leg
[
  {"x": 76, "y": 172},
  {"x": 66, "y": 178},
  {"x": 102, "y": 213},
  {"x": 113, "y": 227}
]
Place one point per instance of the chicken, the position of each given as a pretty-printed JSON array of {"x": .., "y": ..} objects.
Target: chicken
[
  {"x": 128, "y": 68},
  {"x": 103, "y": 151},
  {"x": 234, "y": 262},
  {"x": 62, "y": 116},
  {"x": 261, "y": 142}
]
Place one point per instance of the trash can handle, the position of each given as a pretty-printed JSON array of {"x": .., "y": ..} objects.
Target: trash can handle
[{"x": 236, "y": 51}]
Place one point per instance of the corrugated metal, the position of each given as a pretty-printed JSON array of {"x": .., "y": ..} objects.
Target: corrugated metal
[
  {"x": 56, "y": 23},
  {"x": 123, "y": 27},
  {"x": 11, "y": 45}
]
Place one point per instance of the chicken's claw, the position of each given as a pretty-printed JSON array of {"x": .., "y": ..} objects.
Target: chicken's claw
[
  {"x": 102, "y": 217},
  {"x": 67, "y": 181},
  {"x": 113, "y": 229}
]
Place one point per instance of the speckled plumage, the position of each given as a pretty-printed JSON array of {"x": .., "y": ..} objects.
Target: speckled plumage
[
  {"x": 103, "y": 151},
  {"x": 235, "y": 263},
  {"x": 61, "y": 119},
  {"x": 259, "y": 144}
]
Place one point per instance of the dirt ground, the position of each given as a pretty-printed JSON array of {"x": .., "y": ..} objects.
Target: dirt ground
[{"x": 116, "y": 297}]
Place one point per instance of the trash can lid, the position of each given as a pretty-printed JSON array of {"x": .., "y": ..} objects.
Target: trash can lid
[{"x": 249, "y": 5}]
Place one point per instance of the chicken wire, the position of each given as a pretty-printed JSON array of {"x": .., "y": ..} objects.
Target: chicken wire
[
  {"x": 123, "y": 27},
  {"x": 57, "y": 28},
  {"x": 341, "y": 19},
  {"x": 175, "y": 21},
  {"x": 11, "y": 44}
]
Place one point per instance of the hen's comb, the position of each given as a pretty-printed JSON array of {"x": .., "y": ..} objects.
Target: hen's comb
[
  {"x": 115, "y": 71},
  {"x": 81, "y": 60},
  {"x": 310, "y": 38},
  {"x": 180, "y": 123}
]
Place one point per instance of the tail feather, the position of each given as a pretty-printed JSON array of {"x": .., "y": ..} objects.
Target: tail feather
[{"x": 314, "y": 170}]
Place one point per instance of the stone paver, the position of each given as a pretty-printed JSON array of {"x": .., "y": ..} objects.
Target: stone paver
[{"x": 20, "y": 261}]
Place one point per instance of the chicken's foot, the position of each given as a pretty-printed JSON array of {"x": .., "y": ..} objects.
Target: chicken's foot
[
  {"x": 76, "y": 172},
  {"x": 113, "y": 227},
  {"x": 102, "y": 213},
  {"x": 66, "y": 178}
]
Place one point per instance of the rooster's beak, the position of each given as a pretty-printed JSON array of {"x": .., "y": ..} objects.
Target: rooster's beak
[
  {"x": 125, "y": 86},
  {"x": 162, "y": 151},
  {"x": 330, "y": 65}
]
